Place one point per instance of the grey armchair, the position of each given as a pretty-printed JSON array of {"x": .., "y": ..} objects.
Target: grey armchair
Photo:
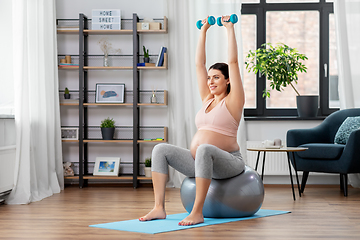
[{"x": 322, "y": 154}]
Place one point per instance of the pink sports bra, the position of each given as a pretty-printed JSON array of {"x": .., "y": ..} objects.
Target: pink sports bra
[{"x": 219, "y": 119}]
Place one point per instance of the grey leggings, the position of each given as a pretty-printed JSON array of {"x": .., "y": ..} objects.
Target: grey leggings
[{"x": 210, "y": 161}]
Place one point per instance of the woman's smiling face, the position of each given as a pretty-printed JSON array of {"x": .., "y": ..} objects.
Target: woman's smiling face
[{"x": 217, "y": 82}]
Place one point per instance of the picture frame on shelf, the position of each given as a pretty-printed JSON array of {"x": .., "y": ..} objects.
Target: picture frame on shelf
[
  {"x": 107, "y": 166},
  {"x": 110, "y": 93},
  {"x": 69, "y": 133}
]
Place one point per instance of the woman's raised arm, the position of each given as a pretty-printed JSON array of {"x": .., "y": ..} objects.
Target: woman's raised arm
[
  {"x": 200, "y": 62},
  {"x": 236, "y": 97}
]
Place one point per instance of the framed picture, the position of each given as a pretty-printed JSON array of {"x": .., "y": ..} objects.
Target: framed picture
[
  {"x": 110, "y": 93},
  {"x": 106, "y": 166},
  {"x": 68, "y": 133}
]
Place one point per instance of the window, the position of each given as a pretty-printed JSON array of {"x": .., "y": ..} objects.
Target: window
[
  {"x": 333, "y": 70},
  {"x": 300, "y": 30},
  {"x": 308, "y": 26}
]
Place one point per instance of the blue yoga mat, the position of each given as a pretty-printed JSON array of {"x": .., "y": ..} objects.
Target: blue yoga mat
[{"x": 171, "y": 222}]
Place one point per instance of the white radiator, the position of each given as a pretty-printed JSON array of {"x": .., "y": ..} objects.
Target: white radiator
[
  {"x": 7, "y": 157},
  {"x": 275, "y": 163},
  {"x": 7, "y": 152}
]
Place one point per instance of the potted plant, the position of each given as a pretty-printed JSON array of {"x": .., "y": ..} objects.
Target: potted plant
[
  {"x": 107, "y": 128},
  {"x": 67, "y": 93},
  {"x": 148, "y": 167},
  {"x": 280, "y": 65},
  {"x": 146, "y": 55}
]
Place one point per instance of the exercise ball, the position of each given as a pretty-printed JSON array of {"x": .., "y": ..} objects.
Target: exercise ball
[{"x": 239, "y": 196}]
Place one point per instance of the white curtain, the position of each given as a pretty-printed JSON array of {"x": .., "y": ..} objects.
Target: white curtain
[
  {"x": 347, "y": 19},
  {"x": 184, "y": 98},
  {"x": 38, "y": 167}
]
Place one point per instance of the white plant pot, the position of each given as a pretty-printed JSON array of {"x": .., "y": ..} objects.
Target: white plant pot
[{"x": 147, "y": 171}]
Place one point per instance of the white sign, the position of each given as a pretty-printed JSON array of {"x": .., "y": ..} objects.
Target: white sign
[{"x": 106, "y": 19}]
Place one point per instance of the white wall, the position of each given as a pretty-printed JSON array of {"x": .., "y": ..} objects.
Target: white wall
[{"x": 7, "y": 87}]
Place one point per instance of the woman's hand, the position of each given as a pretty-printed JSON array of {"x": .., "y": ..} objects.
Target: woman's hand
[
  {"x": 225, "y": 20},
  {"x": 206, "y": 24}
]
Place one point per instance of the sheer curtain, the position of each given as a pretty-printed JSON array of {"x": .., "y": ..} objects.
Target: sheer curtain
[
  {"x": 184, "y": 98},
  {"x": 347, "y": 19},
  {"x": 38, "y": 167}
]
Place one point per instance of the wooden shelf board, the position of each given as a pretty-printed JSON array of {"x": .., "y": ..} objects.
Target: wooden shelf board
[
  {"x": 152, "y": 68},
  {"x": 107, "y": 104},
  {"x": 69, "y": 104},
  {"x": 152, "y": 104},
  {"x": 69, "y": 68},
  {"x": 143, "y": 178},
  {"x": 68, "y": 31},
  {"x": 70, "y": 140},
  {"x": 152, "y": 141},
  {"x": 72, "y": 177},
  {"x": 108, "y": 32},
  {"x": 108, "y": 141},
  {"x": 107, "y": 68},
  {"x": 109, "y": 177},
  {"x": 152, "y": 31}
]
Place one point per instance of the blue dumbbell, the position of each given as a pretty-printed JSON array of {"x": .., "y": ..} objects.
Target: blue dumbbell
[
  {"x": 211, "y": 21},
  {"x": 233, "y": 18}
]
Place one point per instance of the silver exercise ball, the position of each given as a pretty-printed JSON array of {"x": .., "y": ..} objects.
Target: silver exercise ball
[{"x": 239, "y": 196}]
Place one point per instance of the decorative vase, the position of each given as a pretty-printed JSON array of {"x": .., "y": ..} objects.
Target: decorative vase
[
  {"x": 107, "y": 133},
  {"x": 106, "y": 60},
  {"x": 147, "y": 171},
  {"x": 153, "y": 98},
  {"x": 307, "y": 106}
]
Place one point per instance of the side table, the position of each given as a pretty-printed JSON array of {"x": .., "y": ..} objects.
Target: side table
[{"x": 288, "y": 150}]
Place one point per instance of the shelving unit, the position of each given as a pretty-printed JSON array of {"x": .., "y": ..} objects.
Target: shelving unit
[{"x": 90, "y": 134}]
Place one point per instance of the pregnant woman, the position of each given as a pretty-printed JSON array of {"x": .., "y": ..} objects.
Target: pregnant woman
[{"x": 214, "y": 151}]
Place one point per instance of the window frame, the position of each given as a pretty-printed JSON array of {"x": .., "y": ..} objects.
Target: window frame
[{"x": 260, "y": 9}]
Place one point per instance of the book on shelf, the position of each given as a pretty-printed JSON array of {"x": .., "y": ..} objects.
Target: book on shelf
[
  {"x": 68, "y": 65},
  {"x": 160, "y": 60},
  {"x": 146, "y": 64}
]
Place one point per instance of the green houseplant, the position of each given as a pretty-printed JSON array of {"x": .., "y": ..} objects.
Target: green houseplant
[
  {"x": 280, "y": 65},
  {"x": 67, "y": 93},
  {"x": 148, "y": 167},
  {"x": 146, "y": 55},
  {"x": 107, "y": 128}
]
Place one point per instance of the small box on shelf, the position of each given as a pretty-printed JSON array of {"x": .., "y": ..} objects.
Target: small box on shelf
[{"x": 148, "y": 26}]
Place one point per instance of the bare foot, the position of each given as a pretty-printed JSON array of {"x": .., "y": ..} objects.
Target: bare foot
[
  {"x": 192, "y": 219},
  {"x": 156, "y": 213}
]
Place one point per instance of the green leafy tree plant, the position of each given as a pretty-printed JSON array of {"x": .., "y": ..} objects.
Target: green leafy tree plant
[
  {"x": 107, "y": 123},
  {"x": 279, "y": 64}
]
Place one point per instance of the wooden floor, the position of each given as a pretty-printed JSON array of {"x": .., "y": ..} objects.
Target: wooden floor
[{"x": 322, "y": 213}]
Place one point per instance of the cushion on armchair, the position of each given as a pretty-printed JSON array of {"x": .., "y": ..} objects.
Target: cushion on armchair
[
  {"x": 323, "y": 151},
  {"x": 350, "y": 124}
]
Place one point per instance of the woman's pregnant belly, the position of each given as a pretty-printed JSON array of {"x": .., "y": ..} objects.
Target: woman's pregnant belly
[{"x": 219, "y": 140}]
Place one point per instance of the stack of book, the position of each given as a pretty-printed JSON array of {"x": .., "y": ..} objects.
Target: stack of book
[{"x": 160, "y": 60}]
